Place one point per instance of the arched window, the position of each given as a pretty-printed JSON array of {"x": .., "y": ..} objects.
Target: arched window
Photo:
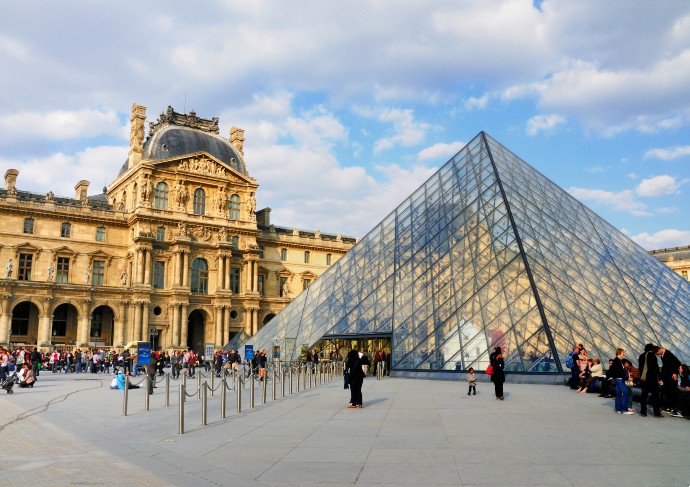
[
  {"x": 234, "y": 207},
  {"x": 160, "y": 196},
  {"x": 199, "y": 277},
  {"x": 199, "y": 201}
]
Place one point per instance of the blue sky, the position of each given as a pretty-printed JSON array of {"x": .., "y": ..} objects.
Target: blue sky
[{"x": 348, "y": 107}]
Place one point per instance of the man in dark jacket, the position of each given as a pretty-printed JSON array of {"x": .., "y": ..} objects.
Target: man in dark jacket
[
  {"x": 669, "y": 374},
  {"x": 649, "y": 380}
]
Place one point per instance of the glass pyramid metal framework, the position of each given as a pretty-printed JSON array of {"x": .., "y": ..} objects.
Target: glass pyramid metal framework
[{"x": 489, "y": 252}]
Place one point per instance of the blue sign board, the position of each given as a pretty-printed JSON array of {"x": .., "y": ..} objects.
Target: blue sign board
[
  {"x": 248, "y": 352},
  {"x": 143, "y": 353}
]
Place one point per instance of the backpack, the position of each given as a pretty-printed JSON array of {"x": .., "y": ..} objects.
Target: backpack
[{"x": 570, "y": 361}]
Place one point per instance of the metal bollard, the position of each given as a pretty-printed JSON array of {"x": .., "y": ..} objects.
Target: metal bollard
[
  {"x": 148, "y": 384},
  {"x": 180, "y": 418},
  {"x": 290, "y": 380},
  {"x": 184, "y": 384},
  {"x": 126, "y": 396},
  {"x": 213, "y": 382},
  {"x": 299, "y": 371},
  {"x": 167, "y": 390},
  {"x": 223, "y": 396},
  {"x": 263, "y": 387},
  {"x": 273, "y": 385},
  {"x": 198, "y": 386},
  {"x": 282, "y": 383},
  {"x": 251, "y": 389},
  {"x": 204, "y": 403},
  {"x": 239, "y": 397}
]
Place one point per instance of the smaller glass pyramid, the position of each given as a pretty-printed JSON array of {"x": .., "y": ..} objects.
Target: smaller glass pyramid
[{"x": 489, "y": 252}]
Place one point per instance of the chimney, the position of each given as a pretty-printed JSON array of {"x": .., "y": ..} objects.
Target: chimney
[
  {"x": 263, "y": 217},
  {"x": 136, "y": 134},
  {"x": 11, "y": 180},
  {"x": 81, "y": 189}
]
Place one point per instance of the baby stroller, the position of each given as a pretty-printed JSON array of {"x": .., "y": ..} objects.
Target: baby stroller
[{"x": 9, "y": 382}]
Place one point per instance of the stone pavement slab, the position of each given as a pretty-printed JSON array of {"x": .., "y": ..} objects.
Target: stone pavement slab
[{"x": 69, "y": 430}]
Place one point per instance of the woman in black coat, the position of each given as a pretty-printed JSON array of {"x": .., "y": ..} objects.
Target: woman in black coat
[
  {"x": 354, "y": 365},
  {"x": 498, "y": 377}
]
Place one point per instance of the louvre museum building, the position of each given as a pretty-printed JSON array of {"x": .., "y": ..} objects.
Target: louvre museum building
[
  {"x": 488, "y": 252},
  {"x": 173, "y": 251}
]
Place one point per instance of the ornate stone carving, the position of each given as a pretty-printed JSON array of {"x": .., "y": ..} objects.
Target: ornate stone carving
[
  {"x": 201, "y": 233},
  {"x": 181, "y": 193},
  {"x": 203, "y": 165},
  {"x": 171, "y": 117},
  {"x": 50, "y": 196}
]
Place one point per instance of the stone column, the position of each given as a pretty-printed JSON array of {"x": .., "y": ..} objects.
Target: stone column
[
  {"x": 140, "y": 266},
  {"x": 221, "y": 273},
  {"x": 255, "y": 321},
  {"x": 147, "y": 267},
  {"x": 84, "y": 326},
  {"x": 227, "y": 274},
  {"x": 175, "y": 339},
  {"x": 248, "y": 280},
  {"x": 177, "y": 269},
  {"x": 44, "y": 329},
  {"x": 226, "y": 325},
  {"x": 255, "y": 276},
  {"x": 5, "y": 320},
  {"x": 119, "y": 328},
  {"x": 145, "y": 322},
  {"x": 219, "y": 327},
  {"x": 185, "y": 270},
  {"x": 184, "y": 323},
  {"x": 136, "y": 327},
  {"x": 248, "y": 321}
]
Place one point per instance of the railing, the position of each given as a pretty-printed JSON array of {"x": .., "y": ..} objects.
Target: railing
[{"x": 299, "y": 377}]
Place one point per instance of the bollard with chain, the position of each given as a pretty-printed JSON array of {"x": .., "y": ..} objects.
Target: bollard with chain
[
  {"x": 198, "y": 386},
  {"x": 126, "y": 396},
  {"x": 204, "y": 403},
  {"x": 180, "y": 418},
  {"x": 251, "y": 388},
  {"x": 239, "y": 394},
  {"x": 147, "y": 395},
  {"x": 167, "y": 390},
  {"x": 213, "y": 382},
  {"x": 223, "y": 396},
  {"x": 184, "y": 383},
  {"x": 263, "y": 388},
  {"x": 273, "y": 384}
]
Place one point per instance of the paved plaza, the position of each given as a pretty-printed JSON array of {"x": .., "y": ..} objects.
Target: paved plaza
[{"x": 69, "y": 430}]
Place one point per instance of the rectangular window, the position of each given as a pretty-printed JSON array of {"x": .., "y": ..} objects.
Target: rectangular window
[
  {"x": 28, "y": 225},
  {"x": 283, "y": 254},
  {"x": 24, "y": 271},
  {"x": 261, "y": 251},
  {"x": 329, "y": 259},
  {"x": 98, "y": 277},
  {"x": 307, "y": 255},
  {"x": 235, "y": 280},
  {"x": 60, "y": 321},
  {"x": 305, "y": 284},
  {"x": 158, "y": 274},
  {"x": 283, "y": 287},
  {"x": 66, "y": 230},
  {"x": 261, "y": 281},
  {"x": 100, "y": 234},
  {"x": 160, "y": 234},
  {"x": 62, "y": 276}
]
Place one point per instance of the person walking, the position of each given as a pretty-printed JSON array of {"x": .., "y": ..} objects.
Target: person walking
[
  {"x": 356, "y": 377},
  {"x": 650, "y": 375},
  {"x": 498, "y": 377}
]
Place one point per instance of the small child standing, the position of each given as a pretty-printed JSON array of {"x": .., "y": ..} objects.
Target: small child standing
[{"x": 472, "y": 381}]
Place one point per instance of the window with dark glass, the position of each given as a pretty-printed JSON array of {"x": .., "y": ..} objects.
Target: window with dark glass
[
  {"x": 199, "y": 202},
  {"x": 66, "y": 230},
  {"x": 235, "y": 242},
  {"x": 159, "y": 274},
  {"x": 261, "y": 251},
  {"x": 100, "y": 234},
  {"x": 199, "y": 277},
  {"x": 305, "y": 283},
  {"x": 283, "y": 254},
  {"x": 28, "y": 225},
  {"x": 329, "y": 259},
  {"x": 160, "y": 234},
  {"x": 307, "y": 256},
  {"x": 60, "y": 321},
  {"x": 234, "y": 207},
  {"x": 235, "y": 280},
  {"x": 24, "y": 269},
  {"x": 283, "y": 283},
  {"x": 261, "y": 282},
  {"x": 20, "y": 319},
  {"x": 97, "y": 324},
  {"x": 160, "y": 196},
  {"x": 62, "y": 271},
  {"x": 98, "y": 276}
]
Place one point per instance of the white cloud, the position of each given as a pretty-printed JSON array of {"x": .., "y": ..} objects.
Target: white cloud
[
  {"x": 662, "y": 239},
  {"x": 621, "y": 201},
  {"x": 598, "y": 169},
  {"x": 440, "y": 152},
  {"x": 544, "y": 123},
  {"x": 480, "y": 103},
  {"x": 668, "y": 154},
  {"x": 657, "y": 186},
  {"x": 406, "y": 131},
  {"x": 59, "y": 124}
]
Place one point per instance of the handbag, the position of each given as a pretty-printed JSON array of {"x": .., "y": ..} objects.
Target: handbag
[
  {"x": 365, "y": 369},
  {"x": 490, "y": 370}
]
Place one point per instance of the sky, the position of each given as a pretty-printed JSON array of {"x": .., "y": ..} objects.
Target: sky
[{"x": 349, "y": 106}]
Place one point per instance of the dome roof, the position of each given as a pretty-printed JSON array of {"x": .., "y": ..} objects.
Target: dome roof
[{"x": 177, "y": 141}]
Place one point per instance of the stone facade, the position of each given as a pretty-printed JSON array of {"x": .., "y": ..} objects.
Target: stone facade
[
  {"x": 171, "y": 252},
  {"x": 677, "y": 258}
]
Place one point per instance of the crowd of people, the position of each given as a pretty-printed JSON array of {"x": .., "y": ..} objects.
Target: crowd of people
[{"x": 666, "y": 388}]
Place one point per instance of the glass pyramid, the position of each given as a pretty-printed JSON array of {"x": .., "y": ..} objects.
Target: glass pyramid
[{"x": 489, "y": 252}]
